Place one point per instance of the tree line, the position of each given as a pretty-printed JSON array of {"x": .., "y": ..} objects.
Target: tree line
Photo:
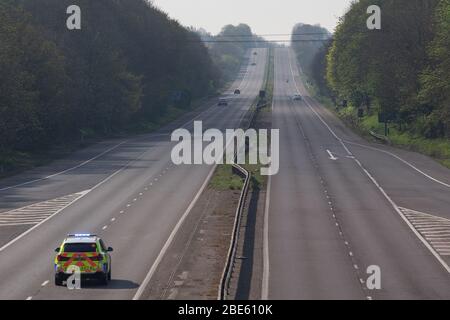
[
  {"x": 401, "y": 70},
  {"x": 228, "y": 48},
  {"x": 125, "y": 67},
  {"x": 306, "y": 44}
]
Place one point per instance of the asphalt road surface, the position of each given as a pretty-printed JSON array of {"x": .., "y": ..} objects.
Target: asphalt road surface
[
  {"x": 340, "y": 205},
  {"x": 132, "y": 196}
]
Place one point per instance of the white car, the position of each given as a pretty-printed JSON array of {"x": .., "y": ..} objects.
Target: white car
[{"x": 297, "y": 97}]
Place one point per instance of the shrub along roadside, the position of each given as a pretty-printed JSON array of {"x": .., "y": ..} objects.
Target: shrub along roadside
[{"x": 438, "y": 149}]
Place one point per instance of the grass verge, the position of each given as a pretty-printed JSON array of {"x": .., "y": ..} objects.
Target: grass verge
[
  {"x": 223, "y": 177},
  {"x": 438, "y": 149},
  {"x": 14, "y": 162},
  {"x": 261, "y": 113}
]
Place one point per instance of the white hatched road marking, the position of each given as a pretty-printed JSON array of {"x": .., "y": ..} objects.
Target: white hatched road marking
[
  {"x": 35, "y": 213},
  {"x": 435, "y": 230}
]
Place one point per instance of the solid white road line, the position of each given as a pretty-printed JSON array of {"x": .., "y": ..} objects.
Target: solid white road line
[
  {"x": 166, "y": 246},
  {"x": 266, "y": 256},
  {"x": 84, "y": 193},
  {"x": 364, "y": 146},
  {"x": 88, "y": 191},
  {"x": 65, "y": 171},
  {"x": 18, "y": 218},
  {"x": 35, "y": 213},
  {"x": 209, "y": 109},
  {"x": 78, "y": 199},
  {"x": 388, "y": 198},
  {"x": 17, "y": 224},
  {"x": 266, "y": 259},
  {"x": 172, "y": 235},
  {"x": 402, "y": 160},
  {"x": 397, "y": 209}
]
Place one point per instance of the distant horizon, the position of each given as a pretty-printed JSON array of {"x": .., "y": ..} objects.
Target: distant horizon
[{"x": 213, "y": 15}]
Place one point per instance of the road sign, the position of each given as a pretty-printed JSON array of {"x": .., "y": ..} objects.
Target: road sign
[
  {"x": 360, "y": 113},
  {"x": 384, "y": 117}
]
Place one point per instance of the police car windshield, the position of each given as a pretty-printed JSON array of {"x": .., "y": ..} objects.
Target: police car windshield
[{"x": 80, "y": 247}]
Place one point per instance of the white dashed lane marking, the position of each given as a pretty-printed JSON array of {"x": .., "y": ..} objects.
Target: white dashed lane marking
[
  {"x": 35, "y": 213},
  {"x": 435, "y": 230}
]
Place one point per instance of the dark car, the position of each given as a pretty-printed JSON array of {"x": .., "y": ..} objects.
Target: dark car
[
  {"x": 222, "y": 102},
  {"x": 297, "y": 97},
  {"x": 237, "y": 91}
]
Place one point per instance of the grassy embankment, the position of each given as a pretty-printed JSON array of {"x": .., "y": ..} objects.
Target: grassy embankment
[
  {"x": 438, "y": 149},
  {"x": 13, "y": 162}
]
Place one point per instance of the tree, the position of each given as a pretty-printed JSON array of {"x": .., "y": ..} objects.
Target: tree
[
  {"x": 31, "y": 103},
  {"x": 435, "y": 79},
  {"x": 385, "y": 65},
  {"x": 117, "y": 71},
  {"x": 307, "y": 41}
]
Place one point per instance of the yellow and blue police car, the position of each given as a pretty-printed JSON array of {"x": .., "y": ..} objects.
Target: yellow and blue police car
[{"x": 86, "y": 253}]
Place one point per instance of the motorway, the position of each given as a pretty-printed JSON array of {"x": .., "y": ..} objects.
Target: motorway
[
  {"x": 338, "y": 205},
  {"x": 126, "y": 190},
  {"x": 341, "y": 204}
]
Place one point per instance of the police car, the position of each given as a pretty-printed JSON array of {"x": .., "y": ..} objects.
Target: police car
[{"x": 86, "y": 253}]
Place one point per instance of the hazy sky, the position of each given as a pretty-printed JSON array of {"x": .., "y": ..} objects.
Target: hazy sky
[{"x": 263, "y": 16}]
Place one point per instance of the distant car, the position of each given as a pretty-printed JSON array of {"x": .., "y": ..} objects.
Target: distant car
[
  {"x": 297, "y": 97},
  {"x": 254, "y": 64},
  {"x": 237, "y": 91},
  {"x": 255, "y": 53},
  {"x": 223, "y": 102},
  {"x": 86, "y": 252}
]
